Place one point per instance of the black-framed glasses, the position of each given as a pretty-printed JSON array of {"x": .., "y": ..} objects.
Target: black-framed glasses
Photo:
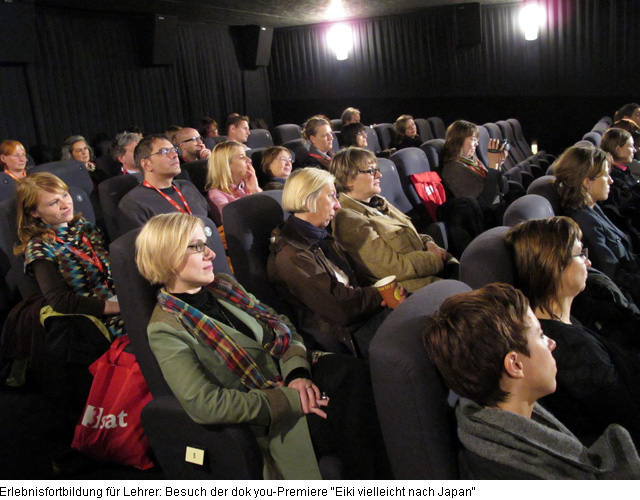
[
  {"x": 198, "y": 247},
  {"x": 372, "y": 171},
  {"x": 584, "y": 254},
  {"x": 164, "y": 152},
  {"x": 195, "y": 139},
  {"x": 364, "y": 132}
]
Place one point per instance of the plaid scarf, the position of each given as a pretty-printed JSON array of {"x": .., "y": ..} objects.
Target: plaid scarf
[
  {"x": 474, "y": 164},
  {"x": 205, "y": 330}
]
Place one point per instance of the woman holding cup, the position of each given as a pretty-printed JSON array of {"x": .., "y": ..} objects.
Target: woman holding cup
[{"x": 313, "y": 274}]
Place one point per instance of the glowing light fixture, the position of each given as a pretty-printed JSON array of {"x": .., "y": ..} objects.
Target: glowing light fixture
[
  {"x": 340, "y": 40},
  {"x": 532, "y": 16}
]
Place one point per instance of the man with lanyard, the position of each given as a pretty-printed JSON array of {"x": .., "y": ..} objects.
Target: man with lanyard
[
  {"x": 158, "y": 159},
  {"x": 191, "y": 146}
]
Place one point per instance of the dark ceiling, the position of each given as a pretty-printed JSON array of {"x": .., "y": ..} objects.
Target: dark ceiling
[{"x": 276, "y": 13}]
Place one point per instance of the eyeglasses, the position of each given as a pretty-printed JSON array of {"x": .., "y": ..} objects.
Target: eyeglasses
[
  {"x": 362, "y": 133},
  {"x": 163, "y": 152},
  {"x": 372, "y": 171},
  {"x": 195, "y": 139},
  {"x": 198, "y": 247},
  {"x": 584, "y": 254},
  {"x": 286, "y": 159},
  {"x": 19, "y": 156}
]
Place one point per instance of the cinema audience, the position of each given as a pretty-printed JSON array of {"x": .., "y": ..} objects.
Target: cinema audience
[{"x": 490, "y": 349}]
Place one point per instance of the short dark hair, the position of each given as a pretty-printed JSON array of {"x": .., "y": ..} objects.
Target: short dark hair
[
  {"x": 542, "y": 250},
  {"x": 269, "y": 155},
  {"x": 470, "y": 335},
  {"x": 350, "y": 132},
  {"x": 235, "y": 120},
  {"x": 145, "y": 147},
  {"x": 347, "y": 114}
]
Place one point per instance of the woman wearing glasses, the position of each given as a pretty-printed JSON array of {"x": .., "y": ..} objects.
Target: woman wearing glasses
[
  {"x": 354, "y": 134},
  {"x": 230, "y": 176},
  {"x": 277, "y": 164},
  {"x": 13, "y": 159},
  {"x": 230, "y": 359},
  {"x": 314, "y": 275},
  {"x": 597, "y": 380},
  {"x": 379, "y": 238},
  {"x": 583, "y": 179}
]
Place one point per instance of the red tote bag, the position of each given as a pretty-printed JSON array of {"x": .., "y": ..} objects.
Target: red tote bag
[
  {"x": 109, "y": 429},
  {"x": 430, "y": 190}
]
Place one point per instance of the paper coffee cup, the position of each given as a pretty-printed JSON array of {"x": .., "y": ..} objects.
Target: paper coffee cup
[{"x": 388, "y": 288}]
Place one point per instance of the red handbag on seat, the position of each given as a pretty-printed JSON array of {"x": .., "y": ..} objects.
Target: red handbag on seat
[
  {"x": 430, "y": 190},
  {"x": 109, "y": 429}
]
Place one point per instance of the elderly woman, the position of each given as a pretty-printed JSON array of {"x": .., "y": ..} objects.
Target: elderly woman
[
  {"x": 583, "y": 179},
  {"x": 317, "y": 130},
  {"x": 66, "y": 253},
  {"x": 76, "y": 147},
  {"x": 230, "y": 359},
  {"x": 230, "y": 176},
  {"x": 354, "y": 134},
  {"x": 597, "y": 380},
  {"x": 463, "y": 173},
  {"x": 277, "y": 164},
  {"x": 13, "y": 159},
  {"x": 379, "y": 238},
  {"x": 313, "y": 274},
  {"x": 406, "y": 133}
]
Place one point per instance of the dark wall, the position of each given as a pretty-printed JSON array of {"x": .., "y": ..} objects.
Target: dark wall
[
  {"x": 91, "y": 77},
  {"x": 583, "y": 66}
]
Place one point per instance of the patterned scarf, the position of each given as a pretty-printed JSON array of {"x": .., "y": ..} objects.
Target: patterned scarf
[
  {"x": 205, "y": 330},
  {"x": 474, "y": 164}
]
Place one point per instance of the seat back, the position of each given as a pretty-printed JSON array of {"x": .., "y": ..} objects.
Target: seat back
[
  {"x": 72, "y": 172},
  {"x": 519, "y": 138},
  {"x": 137, "y": 299},
  {"x": 545, "y": 187},
  {"x": 197, "y": 171},
  {"x": 336, "y": 124},
  {"x": 410, "y": 161},
  {"x": 391, "y": 186},
  {"x": 483, "y": 145},
  {"x": 286, "y": 132},
  {"x": 424, "y": 129},
  {"x": 259, "y": 138},
  {"x": 433, "y": 149},
  {"x": 7, "y": 186},
  {"x": 593, "y": 137},
  {"x": 417, "y": 422},
  {"x": 514, "y": 148},
  {"x": 527, "y": 207},
  {"x": 487, "y": 259},
  {"x": 299, "y": 149},
  {"x": 209, "y": 142},
  {"x": 373, "y": 144},
  {"x": 438, "y": 130},
  {"x": 111, "y": 192},
  {"x": 248, "y": 223},
  {"x": 386, "y": 133}
]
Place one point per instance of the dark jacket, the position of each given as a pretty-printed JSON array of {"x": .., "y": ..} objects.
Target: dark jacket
[
  {"x": 326, "y": 310},
  {"x": 460, "y": 180}
]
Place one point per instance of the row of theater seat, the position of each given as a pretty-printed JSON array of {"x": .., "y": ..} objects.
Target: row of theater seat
[{"x": 426, "y": 447}]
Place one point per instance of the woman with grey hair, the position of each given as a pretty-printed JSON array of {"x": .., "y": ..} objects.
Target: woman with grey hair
[
  {"x": 76, "y": 147},
  {"x": 314, "y": 275}
]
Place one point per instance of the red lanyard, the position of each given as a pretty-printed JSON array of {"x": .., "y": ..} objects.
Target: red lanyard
[
  {"x": 185, "y": 210},
  {"x": 94, "y": 259}
]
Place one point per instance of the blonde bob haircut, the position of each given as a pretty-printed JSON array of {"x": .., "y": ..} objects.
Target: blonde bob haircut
[
  {"x": 346, "y": 163},
  {"x": 302, "y": 188},
  {"x": 218, "y": 169},
  {"x": 572, "y": 168},
  {"x": 162, "y": 245},
  {"x": 27, "y": 196}
]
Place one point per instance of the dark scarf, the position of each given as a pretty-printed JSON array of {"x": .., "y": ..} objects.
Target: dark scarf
[{"x": 324, "y": 240}]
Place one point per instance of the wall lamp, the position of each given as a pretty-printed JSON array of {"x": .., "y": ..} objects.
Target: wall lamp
[
  {"x": 532, "y": 16},
  {"x": 340, "y": 40}
]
